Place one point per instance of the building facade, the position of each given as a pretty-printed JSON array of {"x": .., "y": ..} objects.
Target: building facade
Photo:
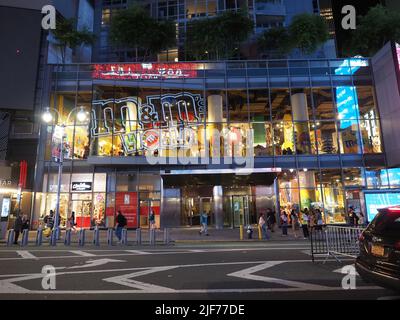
[
  {"x": 229, "y": 138},
  {"x": 265, "y": 14}
]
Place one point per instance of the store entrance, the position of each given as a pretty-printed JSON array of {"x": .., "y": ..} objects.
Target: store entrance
[
  {"x": 146, "y": 206},
  {"x": 240, "y": 210},
  {"x": 82, "y": 209}
]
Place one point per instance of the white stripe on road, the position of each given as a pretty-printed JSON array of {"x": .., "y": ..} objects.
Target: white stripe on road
[
  {"x": 26, "y": 254},
  {"x": 138, "y": 252},
  {"x": 83, "y": 253}
]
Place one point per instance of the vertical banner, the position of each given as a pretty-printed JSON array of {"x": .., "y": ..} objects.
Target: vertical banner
[{"x": 127, "y": 203}]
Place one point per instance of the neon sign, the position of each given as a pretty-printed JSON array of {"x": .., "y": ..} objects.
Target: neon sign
[
  {"x": 147, "y": 71},
  {"x": 164, "y": 121}
]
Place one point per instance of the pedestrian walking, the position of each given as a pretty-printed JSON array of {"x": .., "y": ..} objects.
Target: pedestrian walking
[
  {"x": 25, "y": 222},
  {"x": 17, "y": 227},
  {"x": 263, "y": 225},
  {"x": 72, "y": 221},
  {"x": 353, "y": 218},
  {"x": 294, "y": 219},
  {"x": 305, "y": 223},
  {"x": 284, "y": 222},
  {"x": 152, "y": 219},
  {"x": 204, "y": 223},
  {"x": 121, "y": 222}
]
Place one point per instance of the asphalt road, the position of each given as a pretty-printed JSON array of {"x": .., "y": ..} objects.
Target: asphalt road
[{"x": 279, "y": 270}]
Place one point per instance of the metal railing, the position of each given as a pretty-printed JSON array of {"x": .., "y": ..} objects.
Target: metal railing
[
  {"x": 98, "y": 237},
  {"x": 335, "y": 241}
]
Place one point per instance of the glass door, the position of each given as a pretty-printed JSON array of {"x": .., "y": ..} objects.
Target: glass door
[
  {"x": 206, "y": 206},
  {"x": 240, "y": 209},
  {"x": 146, "y": 205},
  {"x": 82, "y": 209}
]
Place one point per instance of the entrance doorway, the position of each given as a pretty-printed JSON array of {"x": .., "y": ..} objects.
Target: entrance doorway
[
  {"x": 82, "y": 209},
  {"x": 240, "y": 210},
  {"x": 146, "y": 205}
]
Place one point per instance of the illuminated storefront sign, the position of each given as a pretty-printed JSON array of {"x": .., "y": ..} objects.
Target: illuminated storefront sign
[
  {"x": 81, "y": 186},
  {"x": 135, "y": 71},
  {"x": 375, "y": 201},
  {"x": 164, "y": 121}
]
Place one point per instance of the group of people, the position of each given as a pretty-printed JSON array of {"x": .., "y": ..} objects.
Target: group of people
[
  {"x": 20, "y": 224},
  {"x": 290, "y": 217}
]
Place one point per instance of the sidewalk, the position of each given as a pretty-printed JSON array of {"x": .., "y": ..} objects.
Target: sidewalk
[{"x": 184, "y": 235}]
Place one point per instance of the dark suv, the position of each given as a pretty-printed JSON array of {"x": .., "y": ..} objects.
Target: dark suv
[{"x": 379, "y": 259}]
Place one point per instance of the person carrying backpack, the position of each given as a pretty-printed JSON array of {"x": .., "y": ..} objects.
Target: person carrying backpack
[{"x": 121, "y": 222}]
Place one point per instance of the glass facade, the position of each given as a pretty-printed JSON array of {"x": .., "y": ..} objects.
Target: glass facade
[{"x": 315, "y": 120}]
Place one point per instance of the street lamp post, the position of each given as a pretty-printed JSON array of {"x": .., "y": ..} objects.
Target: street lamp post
[{"x": 47, "y": 117}]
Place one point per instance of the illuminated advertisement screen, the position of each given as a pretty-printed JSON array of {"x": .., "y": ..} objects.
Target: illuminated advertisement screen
[
  {"x": 375, "y": 201},
  {"x": 147, "y": 71},
  {"x": 346, "y": 96},
  {"x": 398, "y": 54}
]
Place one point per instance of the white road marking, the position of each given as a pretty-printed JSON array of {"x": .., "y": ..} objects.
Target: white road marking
[
  {"x": 138, "y": 252},
  {"x": 389, "y": 298},
  {"x": 95, "y": 263},
  {"x": 7, "y": 286},
  {"x": 126, "y": 280},
  {"x": 78, "y": 253},
  {"x": 248, "y": 274},
  {"x": 83, "y": 253},
  {"x": 26, "y": 254}
]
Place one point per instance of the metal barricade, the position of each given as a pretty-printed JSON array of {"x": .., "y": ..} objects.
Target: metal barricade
[
  {"x": 39, "y": 236},
  {"x": 67, "y": 237},
  {"x": 10, "y": 237},
  {"x": 81, "y": 237},
  {"x": 110, "y": 233},
  {"x": 53, "y": 237},
  {"x": 138, "y": 236},
  {"x": 335, "y": 241},
  {"x": 166, "y": 236},
  {"x": 124, "y": 236},
  {"x": 25, "y": 237},
  {"x": 152, "y": 237},
  {"x": 96, "y": 236}
]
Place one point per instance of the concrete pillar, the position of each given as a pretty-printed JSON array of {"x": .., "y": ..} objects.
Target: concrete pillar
[
  {"x": 218, "y": 207},
  {"x": 302, "y": 131},
  {"x": 214, "y": 127},
  {"x": 307, "y": 188}
]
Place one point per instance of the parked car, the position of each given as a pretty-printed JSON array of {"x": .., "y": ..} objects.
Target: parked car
[{"x": 379, "y": 259}]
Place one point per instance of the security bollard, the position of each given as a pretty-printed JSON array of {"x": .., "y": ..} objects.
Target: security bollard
[
  {"x": 53, "y": 237},
  {"x": 124, "y": 236},
  {"x": 67, "y": 238},
  {"x": 138, "y": 236},
  {"x": 81, "y": 239},
  {"x": 241, "y": 232},
  {"x": 39, "y": 236},
  {"x": 110, "y": 233},
  {"x": 96, "y": 236},
  {"x": 166, "y": 236},
  {"x": 58, "y": 233},
  {"x": 10, "y": 237},
  {"x": 152, "y": 235},
  {"x": 25, "y": 237}
]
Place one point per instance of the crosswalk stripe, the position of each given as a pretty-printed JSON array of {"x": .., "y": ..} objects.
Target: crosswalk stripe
[
  {"x": 26, "y": 254},
  {"x": 137, "y": 251},
  {"x": 83, "y": 253}
]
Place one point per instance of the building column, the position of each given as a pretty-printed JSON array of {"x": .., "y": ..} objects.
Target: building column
[
  {"x": 218, "y": 207},
  {"x": 301, "y": 118},
  {"x": 214, "y": 125},
  {"x": 307, "y": 196}
]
